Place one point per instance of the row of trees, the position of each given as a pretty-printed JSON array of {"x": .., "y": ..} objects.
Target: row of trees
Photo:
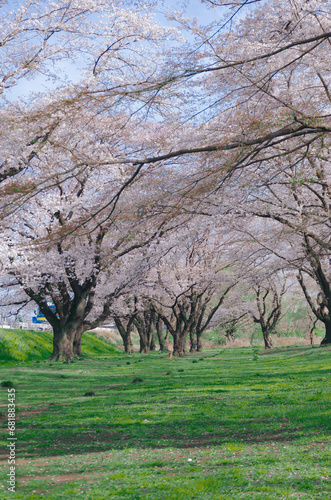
[{"x": 171, "y": 174}]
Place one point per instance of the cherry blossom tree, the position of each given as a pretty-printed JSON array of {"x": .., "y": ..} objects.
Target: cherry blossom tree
[
  {"x": 192, "y": 280},
  {"x": 67, "y": 218},
  {"x": 260, "y": 90},
  {"x": 269, "y": 308},
  {"x": 77, "y": 280},
  {"x": 125, "y": 328},
  {"x": 114, "y": 50},
  {"x": 240, "y": 79},
  {"x": 55, "y": 250},
  {"x": 146, "y": 138},
  {"x": 289, "y": 203},
  {"x": 232, "y": 319},
  {"x": 131, "y": 312},
  {"x": 304, "y": 213}
]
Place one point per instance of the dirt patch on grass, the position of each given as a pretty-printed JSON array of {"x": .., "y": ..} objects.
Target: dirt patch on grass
[
  {"x": 39, "y": 461},
  {"x": 87, "y": 457},
  {"x": 29, "y": 413},
  {"x": 62, "y": 478},
  {"x": 252, "y": 420},
  {"x": 320, "y": 444},
  {"x": 71, "y": 369}
]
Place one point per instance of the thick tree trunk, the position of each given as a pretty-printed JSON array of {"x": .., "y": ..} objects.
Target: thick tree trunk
[
  {"x": 77, "y": 343},
  {"x": 127, "y": 343},
  {"x": 327, "y": 338},
  {"x": 71, "y": 304},
  {"x": 199, "y": 340},
  {"x": 143, "y": 324},
  {"x": 179, "y": 342},
  {"x": 126, "y": 338},
  {"x": 267, "y": 339},
  {"x": 63, "y": 341},
  {"x": 144, "y": 339},
  {"x": 144, "y": 346},
  {"x": 153, "y": 341},
  {"x": 125, "y": 333}
]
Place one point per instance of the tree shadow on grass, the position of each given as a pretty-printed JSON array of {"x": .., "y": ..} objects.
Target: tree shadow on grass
[{"x": 180, "y": 434}]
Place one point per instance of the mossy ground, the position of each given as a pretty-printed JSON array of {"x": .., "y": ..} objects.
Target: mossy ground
[{"x": 234, "y": 425}]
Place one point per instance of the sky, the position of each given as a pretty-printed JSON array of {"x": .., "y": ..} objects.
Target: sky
[{"x": 70, "y": 70}]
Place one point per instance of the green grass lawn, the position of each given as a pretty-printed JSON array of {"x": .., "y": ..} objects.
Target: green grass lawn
[{"x": 222, "y": 424}]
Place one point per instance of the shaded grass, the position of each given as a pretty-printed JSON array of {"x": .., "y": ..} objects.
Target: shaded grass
[{"x": 226, "y": 427}]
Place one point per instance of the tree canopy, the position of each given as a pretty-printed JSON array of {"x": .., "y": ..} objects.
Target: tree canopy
[{"x": 168, "y": 133}]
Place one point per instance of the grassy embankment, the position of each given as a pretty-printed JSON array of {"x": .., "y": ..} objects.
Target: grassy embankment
[{"x": 222, "y": 424}]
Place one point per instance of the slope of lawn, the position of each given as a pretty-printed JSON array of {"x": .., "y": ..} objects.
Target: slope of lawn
[
  {"x": 222, "y": 424},
  {"x": 23, "y": 345}
]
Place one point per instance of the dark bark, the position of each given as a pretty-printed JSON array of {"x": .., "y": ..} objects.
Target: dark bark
[
  {"x": 63, "y": 344},
  {"x": 312, "y": 330},
  {"x": 205, "y": 316},
  {"x": 323, "y": 307},
  {"x": 269, "y": 312},
  {"x": 153, "y": 341},
  {"x": 153, "y": 334},
  {"x": 179, "y": 342},
  {"x": 67, "y": 320},
  {"x": 193, "y": 343},
  {"x": 67, "y": 341},
  {"x": 77, "y": 343},
  {"x": 159, "y": 332},
  {"x": 267, "y": 338},
  {"x": 327, "y": 338},
  {"x": 125, "y": 329},
  {"x": 199, "y": 340},
  {"x": 144, "y": 343},
  {"x": 145, "y": 324},
  {"x": 179, "y": 329},
  {"x": 127, "y": 343},
  {"x": 144, "y": 339},
  {"x": 189, "y": 315}
]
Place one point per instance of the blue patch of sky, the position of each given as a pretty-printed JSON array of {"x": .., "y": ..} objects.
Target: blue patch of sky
[{"x": 70, "y": 71}]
